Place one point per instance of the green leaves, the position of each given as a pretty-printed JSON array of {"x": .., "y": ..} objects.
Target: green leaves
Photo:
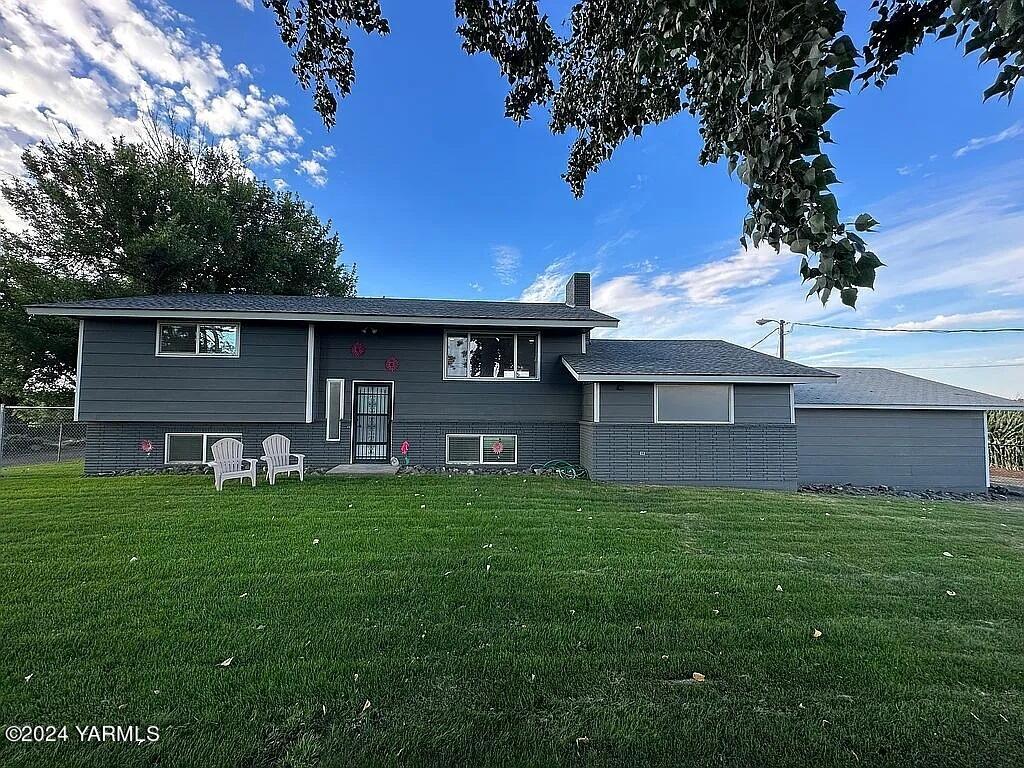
[
  {"x": 865, "y": 222},
  {"x": 128, "y": 218}
]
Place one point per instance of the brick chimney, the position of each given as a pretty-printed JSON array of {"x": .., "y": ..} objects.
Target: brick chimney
[{"x": 577, "y": 290}]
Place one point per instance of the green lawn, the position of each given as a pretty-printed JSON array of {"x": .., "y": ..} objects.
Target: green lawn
[{"x": 503, "y": 621}]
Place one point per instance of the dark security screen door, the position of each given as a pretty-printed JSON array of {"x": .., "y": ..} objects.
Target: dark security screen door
[{"x": 371, "y": 423}]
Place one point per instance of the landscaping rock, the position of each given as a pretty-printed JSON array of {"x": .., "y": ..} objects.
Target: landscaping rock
[{"x": 994, "y": 493}]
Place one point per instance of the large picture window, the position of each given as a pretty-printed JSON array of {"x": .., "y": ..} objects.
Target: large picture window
[
  {"x": 693, "y": 403},
  {"x": 481, "y": 449},
  {"x": 477, "y": 355},
  {"x": 197, "y": 340}
]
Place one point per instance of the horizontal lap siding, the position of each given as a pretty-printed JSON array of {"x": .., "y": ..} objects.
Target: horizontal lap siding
[
  {"x": 749, "y": 455},
  {"x": 762, "y": 404},
  {"x": 423, "y": 394},
  {"x": 752, "y": 403},
  {"x": 627, "y": 403},
  {"x": 903, "y": 449},
  {"x": 124, "y": 380}
]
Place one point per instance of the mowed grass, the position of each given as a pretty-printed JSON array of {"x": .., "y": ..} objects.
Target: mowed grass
[{"x": 506, "y": 621}]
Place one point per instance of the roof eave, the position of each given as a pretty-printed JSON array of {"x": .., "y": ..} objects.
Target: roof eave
[
  {"x": 327, "y": 317},
  {"x": 694, "y": 378}
]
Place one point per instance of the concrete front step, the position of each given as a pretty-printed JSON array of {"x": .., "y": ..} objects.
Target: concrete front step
[{"x": 362, "y": 469}]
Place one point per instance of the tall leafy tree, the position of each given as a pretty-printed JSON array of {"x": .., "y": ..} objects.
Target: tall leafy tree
[
  {"x": 761, "y": 78},
  {"x": 166, "y": 214}
]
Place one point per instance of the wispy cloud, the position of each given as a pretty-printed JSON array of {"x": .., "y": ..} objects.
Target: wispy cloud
[
  {"x": 980, "y": 142},
  {"x": 549, "y": 285},
  {"x": 506, "y": 260},
  {"x": 714, "y": 282},
  {"x": 609, "y": 246},
  {"x": 247, "y": 4},
  {"x": 962, "y": 319}
]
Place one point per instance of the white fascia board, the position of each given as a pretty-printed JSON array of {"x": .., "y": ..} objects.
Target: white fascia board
[
  {"x": 908, "y": 407},
  {"x": 320, "y": 317},
  {"x": 690, "y": 378}
]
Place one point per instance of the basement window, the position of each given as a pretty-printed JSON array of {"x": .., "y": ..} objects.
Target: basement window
[
  {"x": 481, "y": 449},
  {"x": 192, "y": 447}
]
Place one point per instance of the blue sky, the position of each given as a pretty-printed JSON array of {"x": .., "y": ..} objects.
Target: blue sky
[{"x": 434, "y": 193}]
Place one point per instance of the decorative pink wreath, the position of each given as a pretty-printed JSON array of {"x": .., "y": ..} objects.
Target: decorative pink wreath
[
  {"x": 358, "y": 349},
  {"x": 146, "y": 446},
  {"x": 391, "y": 364},
  {"x": 498, "y": 447}
]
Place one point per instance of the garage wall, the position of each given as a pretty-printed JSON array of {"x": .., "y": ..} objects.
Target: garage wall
[{"x": 898, "y": 448}]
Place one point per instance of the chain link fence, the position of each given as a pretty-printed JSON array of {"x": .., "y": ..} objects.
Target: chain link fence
[{"x": 37, "y": 435}]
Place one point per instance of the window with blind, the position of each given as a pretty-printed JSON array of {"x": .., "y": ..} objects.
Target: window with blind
[
  {"x": 481, "y": 449},
  {"x": 693, "y": 403}
]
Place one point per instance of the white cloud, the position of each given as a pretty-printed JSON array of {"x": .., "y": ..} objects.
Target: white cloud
[
  {"x": 94, "y": 66},
  {"x": 314, "y": 171},
  {"x": 715, "y": 281},
  {"x": 549, "y": 285},
  {"x": 476, "y": 287},
  {"x": 980, "y": 142},
  {"x": 962, "y": 320},
  {"x": 280, "y": 184},
  {"x": 506, "y": 260},
  {"x": 247, "y": 4}
]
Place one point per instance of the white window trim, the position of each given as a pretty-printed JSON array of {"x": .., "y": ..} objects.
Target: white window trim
[
  {"x": 988, "y": 468},
  {"x": 597, "y": 402},
  {"x": 515, "y": 355},
  {"x": 732, "y": 407},
  {"x": 310, "y": 344},
  {"x": 204, "y": 435},
  {"x": 792, "y": 404},
  {"x": 327, "y": 409},
  {"x": 197, "y": 353},
  {"x": 78, "y": 366},
  {"x": 480, "y": 449}
]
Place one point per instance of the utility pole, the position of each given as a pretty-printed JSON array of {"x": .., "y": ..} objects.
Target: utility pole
[{"x": 782, "y": 335}]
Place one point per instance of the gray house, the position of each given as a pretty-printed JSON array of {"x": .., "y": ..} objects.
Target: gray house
[{"x": 484, "y": 383}]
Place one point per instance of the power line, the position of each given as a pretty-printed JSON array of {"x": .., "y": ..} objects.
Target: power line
[
  {"x": 763, "y": 338},
  {"x": 911, "y": 330}
]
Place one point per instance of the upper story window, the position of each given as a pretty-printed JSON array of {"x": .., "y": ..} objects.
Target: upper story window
[
  {"x": 478, "y": 355},
  {"x": 197, "y": 339}
]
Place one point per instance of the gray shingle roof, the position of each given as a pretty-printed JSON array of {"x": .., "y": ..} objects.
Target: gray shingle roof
[
  {"x": 882, "y": 387},
  {"x": 613, "y": 357},
  {"x": 333, "y": 305}
]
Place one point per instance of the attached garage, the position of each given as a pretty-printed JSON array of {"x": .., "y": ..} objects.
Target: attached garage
[
  {"x": 941, "y": 450},
  {"x": 879, "y": 427}
]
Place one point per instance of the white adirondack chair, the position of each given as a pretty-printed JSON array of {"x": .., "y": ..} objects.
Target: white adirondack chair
[
  {"x": 278, "y": 458},
  {"x": 228, "y": 463}
]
